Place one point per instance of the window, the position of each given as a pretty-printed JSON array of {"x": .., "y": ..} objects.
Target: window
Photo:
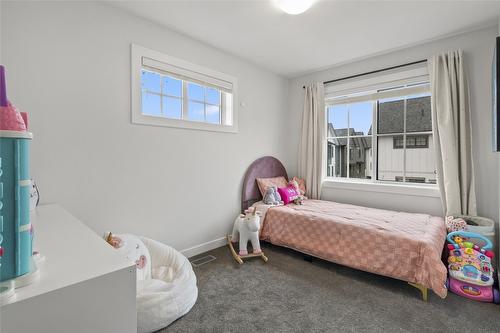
[
  {"x": 412, "y": 141},
  {"x": 171, "y": 92},
  {"x": 380, "y": 129},
  {"x": 349, "y": 140}
]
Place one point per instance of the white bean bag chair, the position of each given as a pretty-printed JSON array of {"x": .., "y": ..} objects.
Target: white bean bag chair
[
  {"x": 170, "y": 293},
  {"x": 166, "y": 283}
]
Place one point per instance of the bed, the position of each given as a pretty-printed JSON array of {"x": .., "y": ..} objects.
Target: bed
[{"x": 404, "y": 246}]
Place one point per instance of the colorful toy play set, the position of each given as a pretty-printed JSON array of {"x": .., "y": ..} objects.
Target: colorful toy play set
[
  {"x": 469, "y": 267},
  {"x": 16, "y": 239}
]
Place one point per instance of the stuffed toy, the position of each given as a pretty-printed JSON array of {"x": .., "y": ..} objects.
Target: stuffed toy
[
  {"x": 277, "y": 195},
  {"x": 270, "y": 197},
  {"x": 301, "y": 197},
  {"x": 455, "y": 224},
  {"x": 132, "y": 248},
  {"x": 302, "y": 185}
]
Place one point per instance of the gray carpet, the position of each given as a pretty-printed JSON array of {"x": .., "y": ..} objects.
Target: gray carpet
[{"x": 289, "y": 294}]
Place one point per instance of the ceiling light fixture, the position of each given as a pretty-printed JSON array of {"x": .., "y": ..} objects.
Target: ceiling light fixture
[{"x": 294, "y": 7}]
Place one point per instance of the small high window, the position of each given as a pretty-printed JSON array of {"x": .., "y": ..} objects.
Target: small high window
[{"x": 171, "y": 92}]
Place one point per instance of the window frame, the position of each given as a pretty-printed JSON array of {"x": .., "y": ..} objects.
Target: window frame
[
  {"x": 410, "y": 77},
  {"x": 229, "y": 120}
]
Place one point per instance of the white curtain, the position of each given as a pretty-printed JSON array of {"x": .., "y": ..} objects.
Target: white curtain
[
  {"x": 451, "y": 122},
  {"x": 312, "y": 141}
]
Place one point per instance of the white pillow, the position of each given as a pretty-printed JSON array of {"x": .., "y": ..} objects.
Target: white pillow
[{"x": 132, "y": 248}]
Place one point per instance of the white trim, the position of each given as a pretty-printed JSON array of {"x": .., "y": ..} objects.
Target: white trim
[
  {"x": 383, "y": 187},
  {"x": 389, "y": 79},
  {"x": 16, "y": 134},
  {"x": 169, "y": 64},
  {"x": 204, "y": 247},
  {"x": 25, "y": 227},
  {"x": 25, "y": 182},
  {"x": 374, "y": 96},
  {"x": 186, "y": 124}
]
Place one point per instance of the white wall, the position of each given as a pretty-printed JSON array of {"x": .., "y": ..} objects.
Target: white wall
[
  {"x": 478, "y": 47},
  {"x": 69, "y": 67}
]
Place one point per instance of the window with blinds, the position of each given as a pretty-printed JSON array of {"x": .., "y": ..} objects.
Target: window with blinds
[
  {"x": 171, "y": 92},
  {"x": 379, "y": 128}
]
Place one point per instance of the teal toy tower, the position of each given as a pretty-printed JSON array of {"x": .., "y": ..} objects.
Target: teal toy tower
[{"x": 15, "y": 183}]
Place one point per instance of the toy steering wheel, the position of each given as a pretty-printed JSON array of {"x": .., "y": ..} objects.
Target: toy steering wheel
[{"x": 450, "y": 238}]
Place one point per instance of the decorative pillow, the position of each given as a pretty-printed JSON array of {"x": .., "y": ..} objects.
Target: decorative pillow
[
  {"x": 132, "y": 248},
  {"x": 455, "y": 224},
  {"x": 288, "y": 194},
  {"x": 265, "y": 183},
  {"x": 302, "y": 184}
]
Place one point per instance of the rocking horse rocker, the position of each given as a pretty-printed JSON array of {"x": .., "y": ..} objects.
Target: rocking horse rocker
[{"x": 247, "y": 226}]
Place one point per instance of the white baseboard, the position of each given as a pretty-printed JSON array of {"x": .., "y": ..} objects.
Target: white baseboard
[{"x": 204, "y": 247}]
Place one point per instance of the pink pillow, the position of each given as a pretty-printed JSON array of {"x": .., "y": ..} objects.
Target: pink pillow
[
  {"x": 265, "y": 183},
  {"x": 288, "y": 194}
]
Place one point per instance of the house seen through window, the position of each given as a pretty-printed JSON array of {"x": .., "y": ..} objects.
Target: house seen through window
[{"x": 382, "y": 140}]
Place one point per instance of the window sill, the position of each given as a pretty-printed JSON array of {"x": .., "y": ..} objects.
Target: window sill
[
  {"x": 177, "y": 123},
  {"x": 391, "y": 188}
]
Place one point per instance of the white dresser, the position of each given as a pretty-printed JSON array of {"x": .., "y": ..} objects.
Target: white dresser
[{"x": 84, "y": 285}]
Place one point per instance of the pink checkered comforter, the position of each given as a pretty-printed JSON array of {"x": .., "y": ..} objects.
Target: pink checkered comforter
[{"x": 404, "y": 246}]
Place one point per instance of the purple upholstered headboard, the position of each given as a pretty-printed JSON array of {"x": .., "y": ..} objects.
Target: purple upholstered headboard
[{"x": 264, "y": 167}]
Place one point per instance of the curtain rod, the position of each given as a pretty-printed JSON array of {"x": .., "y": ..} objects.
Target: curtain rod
[{"x": 373, "y": 72}]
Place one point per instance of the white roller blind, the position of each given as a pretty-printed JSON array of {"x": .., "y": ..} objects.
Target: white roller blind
[
  {"x": 187, "y": 74},
  {"x": 374, "y": 96},
  {"x": 373, "y": 87}
]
